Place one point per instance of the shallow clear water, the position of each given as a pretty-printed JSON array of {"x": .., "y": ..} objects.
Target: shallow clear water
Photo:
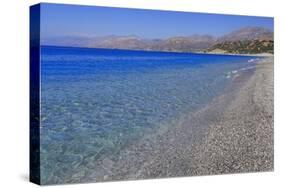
[{"x": 96, "y": 102}]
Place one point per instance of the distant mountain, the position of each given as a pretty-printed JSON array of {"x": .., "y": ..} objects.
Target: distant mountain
[
  {"x": 248, "y": 33},
  {"x": 184, "y": 44},
  {"x": 244, "y": 40},
  {"x": 119, "y": 42},
  {"x": 249, "y": 40},
  {"x": 72, "y": 41}
]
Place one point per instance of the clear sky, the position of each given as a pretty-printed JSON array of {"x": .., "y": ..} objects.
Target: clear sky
[{"x": 72, "y": 20}]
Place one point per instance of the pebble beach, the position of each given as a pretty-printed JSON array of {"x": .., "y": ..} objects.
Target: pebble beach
[{"x": 233, "y": 134}]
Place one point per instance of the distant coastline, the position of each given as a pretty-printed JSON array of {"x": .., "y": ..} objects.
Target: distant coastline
[{"x": 175, "y": 52}]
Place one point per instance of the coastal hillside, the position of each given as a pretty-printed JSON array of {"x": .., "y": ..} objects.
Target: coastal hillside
[
  {"x": 243, "y": 47},
  {"x": 248, "y": 34},
  {"x": 248, "y": 40}
]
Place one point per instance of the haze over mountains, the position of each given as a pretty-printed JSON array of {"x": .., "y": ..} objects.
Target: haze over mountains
[{"x": 245, "y": 40}]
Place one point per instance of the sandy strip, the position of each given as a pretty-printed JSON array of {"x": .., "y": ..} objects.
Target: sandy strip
[{"x": 234, "y": 133}]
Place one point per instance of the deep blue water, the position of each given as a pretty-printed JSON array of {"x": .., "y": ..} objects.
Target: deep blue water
[{"x": 96, "y": 102}]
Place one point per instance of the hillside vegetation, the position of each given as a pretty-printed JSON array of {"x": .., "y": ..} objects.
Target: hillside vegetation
[{"x": 244, "y": 47}]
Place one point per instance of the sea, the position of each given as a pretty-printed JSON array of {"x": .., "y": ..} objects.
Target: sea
[{"x": 95, "y": 103}]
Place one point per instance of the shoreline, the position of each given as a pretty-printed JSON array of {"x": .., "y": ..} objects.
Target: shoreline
[
  {"x": 242, "y": 141},
  {"x": 250, "y": 55},
  {"x": 176, "y": 52},
  {"x": 232, "y": 134}
]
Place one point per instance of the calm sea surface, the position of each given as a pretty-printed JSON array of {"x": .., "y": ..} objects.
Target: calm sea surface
[{"x": 96, "y": 102}]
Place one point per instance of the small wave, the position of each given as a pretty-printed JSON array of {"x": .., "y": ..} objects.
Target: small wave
[
  {"x": 234, "y": 73},
  {"x": 248, "y": 68},
  {"x": 253, "y": 60}
]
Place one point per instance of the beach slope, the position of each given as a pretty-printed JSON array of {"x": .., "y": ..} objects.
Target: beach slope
[
  {"x": 242, "y": 141},
  {"x": 232, "y": 134}
]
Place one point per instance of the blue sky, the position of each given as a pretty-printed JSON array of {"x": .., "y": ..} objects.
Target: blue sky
[{"x": 72, "y": 20}]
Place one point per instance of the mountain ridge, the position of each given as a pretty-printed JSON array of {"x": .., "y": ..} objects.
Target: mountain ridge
[{"x": 242, "y": 40}]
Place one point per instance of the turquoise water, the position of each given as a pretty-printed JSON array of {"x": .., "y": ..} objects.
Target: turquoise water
[{"x": 97, "y": 102}]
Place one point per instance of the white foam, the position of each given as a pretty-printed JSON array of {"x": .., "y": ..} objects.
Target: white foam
[
  {"x": 234, "y": 73},
  {"x": 251, "y": 60}
]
